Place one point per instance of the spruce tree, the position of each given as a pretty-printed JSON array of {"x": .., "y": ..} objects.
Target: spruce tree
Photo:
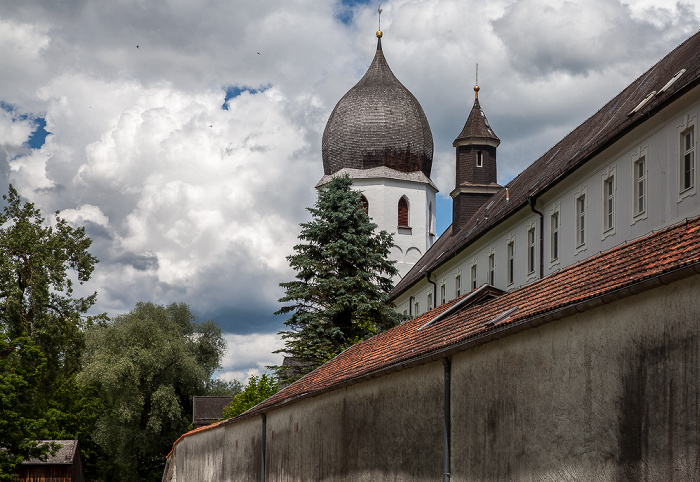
[{"x": 340, "y": 295}]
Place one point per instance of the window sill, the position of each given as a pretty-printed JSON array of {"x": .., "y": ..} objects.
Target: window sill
[
  {"x": 638, "y": 217},
  {"x": 404, "y": 230},
  {"x": 686, "y": 193}
]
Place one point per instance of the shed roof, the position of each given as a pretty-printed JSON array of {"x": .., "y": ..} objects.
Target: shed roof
[{"x": 65, "y": 455}]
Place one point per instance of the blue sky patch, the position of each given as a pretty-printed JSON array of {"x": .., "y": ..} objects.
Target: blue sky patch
[
  {"x": 38, "y": 136},
  {"x": 345, "y": 12},
  {"x": 233, "y": 91}
]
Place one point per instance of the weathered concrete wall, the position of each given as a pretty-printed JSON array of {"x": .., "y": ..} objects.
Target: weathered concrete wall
[
  {"x": 227, "y": 452},
  {"x": 389, "y": 428},
  {"x": 609, "y": 394}
]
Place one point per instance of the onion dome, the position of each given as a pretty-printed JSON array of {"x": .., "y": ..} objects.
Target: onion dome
[
  {"x": 378, "y": 123},
  {"x": 477, "y": 128}
]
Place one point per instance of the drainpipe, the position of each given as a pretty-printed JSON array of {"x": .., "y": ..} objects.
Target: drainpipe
[
  {"x": 531, "y": 200},
  {"x": 427, "y": 276},
  {"x": 263, "y": 447},
  {"x": 410, "y": 306},
  {"x": 448, "y": 422}
]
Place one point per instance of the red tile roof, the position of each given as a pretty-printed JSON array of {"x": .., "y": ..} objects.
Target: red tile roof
[
  {"x": 628, "y": 269},
  {"x": 587, "y": 140},
  {"x": 626, "y": 266}
]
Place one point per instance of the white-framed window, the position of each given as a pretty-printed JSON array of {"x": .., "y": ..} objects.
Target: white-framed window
[
  {"x": 492, "y": 269},
  {"x": 609, "y": 188},
  {"x": 688, "y": 159},
  {"x": 479, "y": 159},
  {"x": 474, "y": 276},
  {"x": 580, "y": 212},
  {"x": 458, "y": 284},
  {"x": 687, "y": 184},
  {"x": 554, "y": 234},
  {"x": 443, "y": 292},
  {"x": 416, "y": 308},
  {"x": 430, "y": 301},
  {"x": 510, "y": 260},
  {"x": 405, "y": 309},
  {"x": 531, "y": 249},
  {"x": 639, "y": 178}
]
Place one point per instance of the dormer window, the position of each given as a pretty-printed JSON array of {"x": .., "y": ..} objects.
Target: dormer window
[
  {"x": 403, "y": 212},
  {"x": 479, "y": 159}
]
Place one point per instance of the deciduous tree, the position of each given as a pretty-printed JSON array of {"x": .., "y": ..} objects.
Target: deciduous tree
[
  {"x": 257, "y": 390},
  {"x": 41, "y": 325},
  {"x": 150, "y": 362}
]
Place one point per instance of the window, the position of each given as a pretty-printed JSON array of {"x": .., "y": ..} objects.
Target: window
[
  {"x": 403, "y": 212},
  {"x": 511, "y": 262},
  {"x": 531, "y": 250},
  {"x": 458, "y": 285},
  {"x": 416, "y": 308},
  {"x": 479, "y": 159},
  {"x": 640, "y": 200},
  {"x": 609, "y": 204},
  {"x": 554, "y": 232},
  {"x": 365, "y": 204},
  {"x": 581, "y": 220},
  {"x": 430, "y": 301},
  {"x": 442, "y": 293},
  {"x": 473, "y": 276},
  {"x": 492, "y": 269},
  {"x": 687, "y": 159}
]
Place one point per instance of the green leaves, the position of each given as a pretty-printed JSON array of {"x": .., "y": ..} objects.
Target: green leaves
[
  {"x": 149, "y": 362},
  {"x": 41, "y": 332},
  {"x": 257, "y": 390},
  {"x": 340, "y": 295}
]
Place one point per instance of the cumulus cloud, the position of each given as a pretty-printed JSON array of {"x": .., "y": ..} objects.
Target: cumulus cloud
[{"x": 192, "y": 196}]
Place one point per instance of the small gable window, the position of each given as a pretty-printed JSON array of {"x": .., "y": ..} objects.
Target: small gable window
[{"x": 403, "y": 212}]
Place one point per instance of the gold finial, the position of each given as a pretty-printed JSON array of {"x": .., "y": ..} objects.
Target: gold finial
[
  {"x": 379, "y": 32},
  {"x": 476, "y": 87}
]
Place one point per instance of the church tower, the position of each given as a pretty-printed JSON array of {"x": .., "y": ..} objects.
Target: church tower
[
  {"x": 476, "y": 174},
  {"x": 379, "y": 135}
]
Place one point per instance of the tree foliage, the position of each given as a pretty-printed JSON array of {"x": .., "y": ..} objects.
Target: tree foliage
[
  {"x": 150, "y": 362},
  {"x": 257, "y": 390},
  {"x": 41, "y": 327},
  {"x": 21, "y": 366},
  {"x": 340, "y": 295},
  {"x": 36, "y": 286}
]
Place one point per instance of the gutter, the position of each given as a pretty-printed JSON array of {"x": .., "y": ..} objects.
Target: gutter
[
  {"x": 532, "y": 200},
  {"x": 427, "y": 276}
]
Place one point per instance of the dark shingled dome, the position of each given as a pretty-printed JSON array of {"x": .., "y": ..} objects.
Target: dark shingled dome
[{"x": 378, "y": 123}]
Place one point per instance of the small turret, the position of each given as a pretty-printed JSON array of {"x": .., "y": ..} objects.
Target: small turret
[{"x": 476, "y": 172}]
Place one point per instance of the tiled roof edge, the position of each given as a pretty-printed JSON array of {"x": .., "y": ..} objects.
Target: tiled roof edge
[{"x": 634, "y": 287}]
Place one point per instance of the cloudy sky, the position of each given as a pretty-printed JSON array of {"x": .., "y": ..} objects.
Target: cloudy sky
[{"x": 186, "y": 135}]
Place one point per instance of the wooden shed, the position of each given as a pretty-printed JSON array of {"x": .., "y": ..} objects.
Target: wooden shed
[{"x": 64, "y": 466}]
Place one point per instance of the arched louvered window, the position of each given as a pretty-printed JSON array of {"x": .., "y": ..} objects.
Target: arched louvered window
[
  {"x": 365, "y": 204},
  {"x": 403, "y": 212}
]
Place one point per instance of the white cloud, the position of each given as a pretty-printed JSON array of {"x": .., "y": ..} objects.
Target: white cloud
[
  {"x": 249, "y": 355},
  {"x": 181, "y": 211}
]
